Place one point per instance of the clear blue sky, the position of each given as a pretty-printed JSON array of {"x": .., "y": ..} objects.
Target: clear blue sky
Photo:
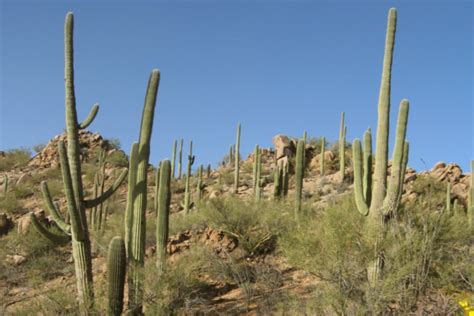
[{"x": 275, "y": 66}]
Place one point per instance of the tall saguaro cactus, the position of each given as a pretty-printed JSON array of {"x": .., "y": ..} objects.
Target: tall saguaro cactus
[
  {"x": 116, "y": 269},
  {"x": 72, "y": 179},
  {"x": 136, "y": 251},
  {"x": 162, "y": 218},
  {"x": 237, "y": 160},
  {"x": 199, "y": 184},
  {"x": 180, "y": 158},
  {"x": 256, "y": 153},
  {"x": 258, "y": 177},
  {"x": 173, "y": 159},
  {"x": 299, "y": 172},
  {"x": 385, "y": 200},
  {"x": 342, "y": 147},
  {"x": 187, "y": 189}
]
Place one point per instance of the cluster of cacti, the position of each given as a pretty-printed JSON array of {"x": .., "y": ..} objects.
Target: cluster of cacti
[
  {"x": 342, "y": 147},
  {"x": 322, "y": 167},
  {"x": 384, "y": 201},
  {"x": 187, "y": 189},
  {"x": 237, "y": 160},
  {"x": 98, "y": 214},
  {"x": 73, "y": 186},
  {"x": 299, "y": 174}
]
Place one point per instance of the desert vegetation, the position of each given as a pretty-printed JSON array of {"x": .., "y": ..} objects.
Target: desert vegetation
[{"x": 309, "y": 227}]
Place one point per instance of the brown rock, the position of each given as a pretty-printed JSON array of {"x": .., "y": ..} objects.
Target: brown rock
[
  {"x": 438, "y": 165},
  {"x": 6, "y": 224},
  {"x": 283, "y": 146}
]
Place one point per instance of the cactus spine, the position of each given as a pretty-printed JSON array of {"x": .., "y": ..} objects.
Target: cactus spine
[
  {"x": 342, "y": 147},
  {"x": 237, "y": 160},
  {"x": 323, "y": 150},
  {"x": 299, "y": 172},
  {"x": 180, "y": 158},
  {"x": 136, "y": 254},
  {"x": 162, "y": 218},
  {"x": 116, "y": 269},
  {"x": 187, "y": 192},
  {"x": 173, "y": 160}
]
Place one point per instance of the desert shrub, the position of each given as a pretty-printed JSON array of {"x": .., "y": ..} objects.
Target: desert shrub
[
  {"x": 10, "y": 203},
  {"x": 114, "y": 143},
  {"x": 117, "y": 159},
  {"x": 38, "y": 147},
  {"x": 22, "y": 191},
  {"x": 15, "y": 158}
]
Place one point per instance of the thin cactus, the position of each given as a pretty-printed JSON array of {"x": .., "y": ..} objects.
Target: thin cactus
[
  {"x": 367, "y": 163},
  {"x": 231, "y": 154},
  {"x": 209, "y": 170},
  {"x": 116, "y": 270},
  {"x": 173, "y": 159},
  {"x": 5, "y": 185},
  {"x": 132, "y": 179},
  {"x": 237, "y": 160},
  {"x": 136, "y": 250},
  {"x": 157, "y": 185},
  {"x": 286, "y": 179},
  {"x": 342, "y": 147},
  {"x": 187, "y": 189},
  {"x": 259, "y": 181},
  {"x": 199, "y": 184},
  {"x": 180, "y": 159},
  {"x": 256, "y": 153},
  {"x": 162, "y": 218},
  {"x": 278, "y": 182},
  {"x": 448, "y": 199},
  {"x": 299, "y": 173},
  {"x": 305, "y": 139},
  {"x": 322, "y": 166}
]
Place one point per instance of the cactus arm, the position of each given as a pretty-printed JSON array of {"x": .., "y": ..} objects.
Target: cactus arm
[
  {"x": 367, "y": 164},
  {"x": 358, "y": 190},
  {"x": 164, "y": 198},
  {"x": 132, "y": 177},
  {"x": 107, "y": 193},
  {"x": 77, "y": 228},
  {"x": 55, "y": 238},
  {"x": 390, "y": 204},
  {"x": 53, "y": 210},
  {"x": 381, "y": 155},
  {"x": 90, "y": 118},
  {"x": 116, "y": 269}
]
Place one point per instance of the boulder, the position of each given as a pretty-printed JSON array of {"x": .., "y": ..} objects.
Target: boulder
[
  {"x": 284, "y": 147},
  {"x": 6, "y": 224}
]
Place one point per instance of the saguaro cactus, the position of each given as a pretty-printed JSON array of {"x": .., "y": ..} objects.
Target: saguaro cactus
[
  {"x": 136, "y": 253},
  {"x": 342, "y": 147},
  {"x": 321, "y": 162},
  {"x": 132, "y": 179},
  {"x": 162, "y": 218},
  {"x": 448, "y": 198},
  {"x": 367, "y": 163},
  {"x": 237, "y": 160},
  {"x": 173, "y": 160},
  {"x": 258, "y": 191},
  {"x": 199, "y": 184},
  {"x": 187, "y": 190},
  {"x": 384, "y": 200},
  {"x": 208, "y": 172},
  {"x": 278, "y": 182},
  {"x": 256, "y": 153},
  {"x": 72, "y": 178},
  {"x": 299, "y": 172},
  {"x": 116, "y": 269},
  {"x": 180, "y": 158}
]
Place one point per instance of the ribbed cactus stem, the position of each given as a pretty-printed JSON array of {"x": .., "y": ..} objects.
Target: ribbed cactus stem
[
  {"x": 448, "y": 198},
  {"x": 157, "y": 185},
  {"x": 321, "y": 161},
  {"x": 137, "y": 237},
  {"x": 180, "y": 158},
  {"x": 231, "y": 154},
  {"x": 199, "y": 185},
  {"x": 132, "y": 179},
  {"x": 367, "y": 165},
  {"x": 286, "y": 179},
  {"x": 299, "y": 172},
  {"x": 360, "y": 200},
  {"x": 116, "y": 269},
  {"x": 305, "y": 139},
  {"x": 277, "y": 182},
  {"x": 256, "y": 152},
  {"x": 381, "y": 154},
  {"x": 391, "y": 200},
  {"x": 209, "y": 170},
  {"x": 342, "y": 147},
  {"x": 237, "y": 160},
  {"x": 162, "y": 218},
  {"x": 187, "y": 189},
  {"x": 173, "y": 159}
]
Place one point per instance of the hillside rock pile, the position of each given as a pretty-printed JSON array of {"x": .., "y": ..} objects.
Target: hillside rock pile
[{"x": 48, "y": 157}]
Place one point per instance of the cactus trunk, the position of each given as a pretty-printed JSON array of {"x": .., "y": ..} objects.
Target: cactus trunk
[
  {"x": 116, "y": 269},
  {"x": 299, "y": 176},
  {"x": 162, "y": 218}
]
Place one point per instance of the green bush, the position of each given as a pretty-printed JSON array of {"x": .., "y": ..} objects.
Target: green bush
[{"x": 14, "y": 158}]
